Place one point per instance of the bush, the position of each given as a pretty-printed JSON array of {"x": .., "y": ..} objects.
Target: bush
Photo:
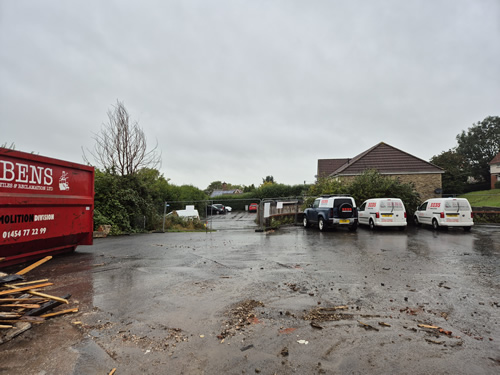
[
  {"x": 497, "y": 184},
  {"x": 176, "y": 223}
]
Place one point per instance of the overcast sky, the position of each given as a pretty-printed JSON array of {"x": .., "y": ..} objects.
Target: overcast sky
[{"x": 238, "y": 90}]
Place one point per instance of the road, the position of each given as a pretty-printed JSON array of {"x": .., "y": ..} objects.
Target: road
[{"x": 280, "y": 302}]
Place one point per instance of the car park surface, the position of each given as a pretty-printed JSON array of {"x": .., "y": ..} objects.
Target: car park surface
[{"x": 284, "y": 302}]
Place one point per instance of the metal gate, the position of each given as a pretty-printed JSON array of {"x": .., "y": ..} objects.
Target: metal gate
[
  {"x": 215, "y": 214},
  {"x": 276, "y": 212}
]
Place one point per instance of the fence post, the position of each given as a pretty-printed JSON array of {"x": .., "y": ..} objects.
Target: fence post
[{"x": 164, "y": 213}]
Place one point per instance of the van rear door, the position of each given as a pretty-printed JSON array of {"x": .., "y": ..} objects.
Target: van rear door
[{"x": 458, "y": 211}]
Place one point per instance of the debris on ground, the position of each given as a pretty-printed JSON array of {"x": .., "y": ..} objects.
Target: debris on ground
[
  {"x": 435, "y": 328},
  {"x": 22, "y": 304},
  {"x": 367, "y": 326},
  {"x": 240, "y": 316},
  {"x": 324, "y": 314}
]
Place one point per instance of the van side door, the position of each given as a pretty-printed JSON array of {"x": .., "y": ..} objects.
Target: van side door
[
  {"x": 422, "y": 214},
  {"x": 362, "y": 214}
]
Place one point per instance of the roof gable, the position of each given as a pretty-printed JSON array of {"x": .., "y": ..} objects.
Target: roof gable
[
  {"x": 495, "y": 160},
  {"x": 386, "y": 160}
]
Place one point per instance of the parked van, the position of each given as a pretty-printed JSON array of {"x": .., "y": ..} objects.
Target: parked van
[
  {"x": 383, "y": 212},
  {"x": 445, "y": 212}
]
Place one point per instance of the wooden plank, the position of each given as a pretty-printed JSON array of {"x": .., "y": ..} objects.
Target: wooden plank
[
  {"x": 19, "y": 290},
  {"x": 30, "y": 282},
  {"x": 60, "y": 313},
  {"x": 49, "y": 297},
  {"x": 47, "y": 306},
  {"x": 5, "y": 326},
  {"x": 34, "y": 300},
  {"x": 427, "y": 326},
  {"x": 34, "y": 265},
  {"x": 22, "y": 305},
  {"x": 17, "y": 330},
  {"x": 24, "y": 318},
  {"x": 9, "y": 315}
]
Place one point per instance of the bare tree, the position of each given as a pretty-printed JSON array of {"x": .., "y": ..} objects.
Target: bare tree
[{"x": 121, "y": 145}]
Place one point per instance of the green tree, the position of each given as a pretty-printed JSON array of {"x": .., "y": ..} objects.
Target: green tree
[
  {"x": 456, "y": 172},
  {"x": 371, "y": 184},
  {"x": 327, "y": 186},
  {"x": 214, "y": 185},
  {"x": 268, "y": 180},
  {"x": 270, "y": 190},
  {"x": 249, "y": 189},
  {"x": 479, "y": 145}
]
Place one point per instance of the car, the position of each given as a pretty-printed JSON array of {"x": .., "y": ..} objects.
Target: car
[
  {"x": 382, "y": 212},
  {"x": 253, "y": 207},
  {"x": 445, "y": 212},
  {"x": 221, "y": 207},
  {"x": 332, "y": 211},
  {"x": 212, "y": 209},
  {"x": 228, "y": 208}
]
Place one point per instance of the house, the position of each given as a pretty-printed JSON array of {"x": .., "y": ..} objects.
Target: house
[
  {"x": 219, "y": 193},
  {"x": 495, "y": 170},
  {"x": 389, "y": 161}
]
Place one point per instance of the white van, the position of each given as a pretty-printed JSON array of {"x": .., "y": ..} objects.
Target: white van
[
  {"x": 189, "y": 213},
  {"x": 445, "y": 212},
  {"x": 383, "y": 212}
]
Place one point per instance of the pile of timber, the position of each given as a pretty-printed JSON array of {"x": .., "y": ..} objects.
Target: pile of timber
[{"x": 22, "y": 303}]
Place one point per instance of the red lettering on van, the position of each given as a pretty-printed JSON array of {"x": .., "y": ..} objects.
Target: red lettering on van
[{"x": 435, "y": 205}]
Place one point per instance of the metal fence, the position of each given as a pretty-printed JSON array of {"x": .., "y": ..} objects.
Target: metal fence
[{"x": 232, "y": 218}]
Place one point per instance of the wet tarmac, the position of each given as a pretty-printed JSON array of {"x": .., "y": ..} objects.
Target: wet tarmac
[{"x": 281, "y": 302}]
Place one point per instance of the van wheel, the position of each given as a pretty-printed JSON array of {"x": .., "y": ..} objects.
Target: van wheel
[
  {"x": 435, "y": 224},
  {"x": 467, "y": 229},
  {"x": 321, "y": 224},
  {"x": 417, "y": 223},
  {"x": 305, "y": 222},
  {"x": 371, "y": 224}
]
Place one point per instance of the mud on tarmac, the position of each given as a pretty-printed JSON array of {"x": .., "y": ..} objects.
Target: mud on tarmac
[{"x": 291, "y": 301}]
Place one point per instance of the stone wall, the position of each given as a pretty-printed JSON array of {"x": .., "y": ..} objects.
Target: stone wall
[{"x": 425, "y": 183}]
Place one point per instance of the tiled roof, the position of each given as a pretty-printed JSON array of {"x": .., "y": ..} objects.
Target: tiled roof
[
  {"x": 386, "y": 160},
  {"x": 496, "y": 159},
  {"x": 327, "y": 166},
  {"x": 218, "y": 193}
]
